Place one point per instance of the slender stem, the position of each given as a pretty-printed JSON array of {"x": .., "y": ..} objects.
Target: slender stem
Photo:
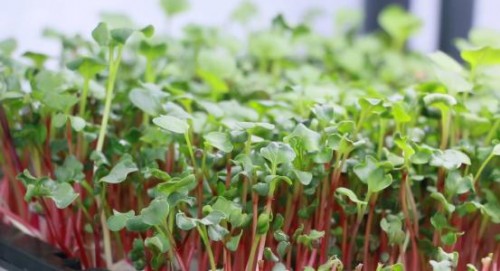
[
  {"x": 149, "y": 75},
  {"x": 83, "y": 97},
  {"x": 481, "y": 168},
  {"x": 366, "y": 247},
  {"x": 361, "y": 119},
  {"x": 267, "y": 211},
  {"x": 350, "y": 250},
  {"x": 190, "y": 149},
  {"x": 261, "y": 238},
  {"x": 381, "y": 138},
  {"x": 113, "y": 69},
  {"x": 203, "y": 233},
  {"x": 445, "y": 128},
  {"x": 253, "y": 250},
  {"x": 493, "y": 132},
  {"x": 404, "y": 206}
]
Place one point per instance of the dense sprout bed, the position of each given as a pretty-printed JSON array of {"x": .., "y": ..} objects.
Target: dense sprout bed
[{"x": 287, "y": 150}]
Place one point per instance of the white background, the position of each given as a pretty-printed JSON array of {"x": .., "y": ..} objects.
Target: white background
[{"x": 25, "y": 19}]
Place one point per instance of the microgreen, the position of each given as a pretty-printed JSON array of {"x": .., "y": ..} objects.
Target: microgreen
[{"x": 287, "y": 151}]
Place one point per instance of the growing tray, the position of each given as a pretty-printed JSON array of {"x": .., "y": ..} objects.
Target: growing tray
[{"x": 19, "y": 251}]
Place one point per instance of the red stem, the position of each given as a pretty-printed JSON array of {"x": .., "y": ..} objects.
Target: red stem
[
  {"x": 81, "y": 247},
  {"x": 406, "y": 213},
  {"x": 350, "y": 250},
  {"x": 366, "y": 247}
]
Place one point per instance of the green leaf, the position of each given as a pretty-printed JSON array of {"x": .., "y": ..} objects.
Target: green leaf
[
  {"x": 371, "y": 173},
  {"x": 120, "y": 35},
  {"x": 58, "y": 101},
  {"x": 364, "y": 170},
  {"x": 253, "y": 125},
  {"x": 63, "y": 195},
  {"x": 158, "y": 241},
  {"x": 332, "y": 264},
  {"x": 304, "y": 177},
  {"x": 8, "y": 46},
  {"x": 273, "y": 181},
  {"x": 482, "y": 56},
  {"x": 220, "y": 141},
  {"x": 399, "y": 113},
  {"x": 178, "y": 185},
  {"x": 172, "y": 124},
  {"x": 445, "y": 261},
  {"x": 184, "y": 222},
  {"x": 244, "y": 12},
  {"x": 392, "y": 225},
  {"x": 119, "y": 220},
  {"x": 439, "y": 100},
  {"x": 278, "y": 153},
  {"x": 283, "y": 247},
  {"x": 174, "y": 7},
  {"x": 261, "y": 188},
  {"x": 233, "y": 242},
  {"x": 455, "y": 184},
  {"x": 269, "y": 255},
  {"x": 423, "y": 155},
  {"x": 101, "y": 34},
  {"x": 446, "y": 62},
  {"x": 156, "y": 213},
  {"x": 34, "y": 186},
  {"x": 439, "y": 221},
  {"x": 152, "y": 51},
  {"x": 496, "y": 150},
  {"x": 148, "y": 31},
  {"x": 50, "y": 90},
  {"x": 450, "y": 208},
  {"x": 324, "y": 112},
  {"x": 48, "y": 81},
  {"x": 402, "y": 143},
  {"x": 71, "y": 170},
  {"x": 340, "y": 143},
  {"x": 37, "y": 58},
  {"x": 379, "y": 181},
  {"x": 278, "y": 222},
  {"x": 305, "y": 137},
  {"x": 217, "y": 232},
  {"x": 372, "y": 105},
  {"x": 121, "y": 170},
  {"x": 398, "y": 23},
  {"x": 348, "y": 193},
  {"x": 394, "y": 267},
  {"x": 263, "y": 222},
  {"x": 492, "y": 210},
  {"x": 135, "y": 224},
  {"x": 216, "y": 83},
  {"x": 449, "y": 159},
  {"x": 308, "y": 239},
  {"x": 77, "y": 123},
  {"x": 231, "y": 211},
  {"x": 217, "y": 62},
  {"x": 269, "y": 45},
  {"x": 454, "y": 82},
  {"x": 148, "y": 99},
  {"x": 88, "y": 67},
  {"x": 449, "y": 238},
  {"x": 213, "y": 218},
  {"x": 279, "y": 235}
]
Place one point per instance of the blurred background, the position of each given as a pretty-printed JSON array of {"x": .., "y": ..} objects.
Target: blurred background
[{"x": 25, "y": 20}]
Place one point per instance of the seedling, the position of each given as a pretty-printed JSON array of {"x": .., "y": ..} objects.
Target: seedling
[{"x": 295, "y": 152}]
